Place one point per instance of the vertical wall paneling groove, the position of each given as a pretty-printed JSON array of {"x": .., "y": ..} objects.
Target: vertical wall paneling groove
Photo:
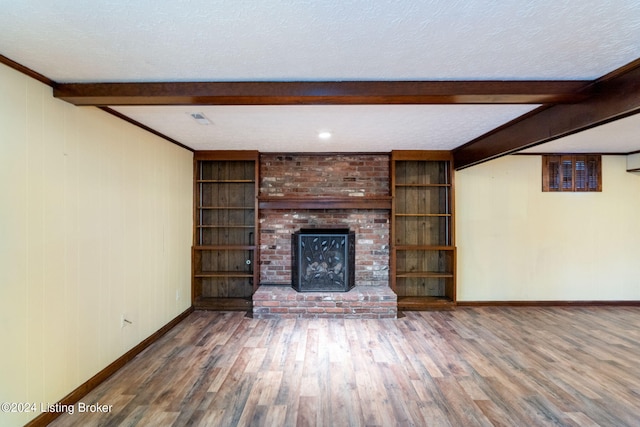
[{"x": 34, "y": 182}]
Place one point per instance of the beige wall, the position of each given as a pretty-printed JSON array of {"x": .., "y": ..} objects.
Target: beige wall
[
  {"x": 95, "y": 221},
  {"x": 517, "y": 243}
]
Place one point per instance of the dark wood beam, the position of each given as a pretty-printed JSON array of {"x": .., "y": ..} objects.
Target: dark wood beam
[
  {"x": 614, "y": 96},
  {"x": 323, "y": 93}
]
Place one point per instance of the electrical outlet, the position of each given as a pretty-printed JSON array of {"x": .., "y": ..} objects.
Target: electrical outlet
[
  {"x": 124, "y": 321},
  {"x": 177, "y": 294}
]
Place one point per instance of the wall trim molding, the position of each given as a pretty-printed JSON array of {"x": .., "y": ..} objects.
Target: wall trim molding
[
  {"x": 555, "y": 303},
  {"x": 144, "y": 127},
  {"x": 93, "y": 382},
  {"x": 27, "y": 71},
  {"x": 47, "y": 81},
  {"x": 595, "y": 153}
]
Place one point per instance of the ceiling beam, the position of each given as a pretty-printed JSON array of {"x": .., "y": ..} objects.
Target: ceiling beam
[
  {"x": 323, "y": 92},
  {"x": 614, "y": 96}
]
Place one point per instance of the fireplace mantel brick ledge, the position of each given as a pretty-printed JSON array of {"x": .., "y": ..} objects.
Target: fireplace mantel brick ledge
[{"x": 361, "y": 302}]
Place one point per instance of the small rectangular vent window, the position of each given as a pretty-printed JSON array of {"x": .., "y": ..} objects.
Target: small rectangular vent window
[{"x": 571, "y": 172}]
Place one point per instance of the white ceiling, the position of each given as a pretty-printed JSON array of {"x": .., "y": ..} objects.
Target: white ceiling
[
  {"x": 304, "y": 40},
  {"x": 354, "y": 128}
]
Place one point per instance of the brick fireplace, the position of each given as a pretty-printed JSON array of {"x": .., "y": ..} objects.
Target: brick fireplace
[{"x": 319, "y": 177}]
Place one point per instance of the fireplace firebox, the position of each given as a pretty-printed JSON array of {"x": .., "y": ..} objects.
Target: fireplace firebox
[{"x": 323, "y": 259}]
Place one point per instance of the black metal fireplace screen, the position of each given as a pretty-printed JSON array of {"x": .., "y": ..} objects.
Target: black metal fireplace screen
[{"x": 323, "y": 259}]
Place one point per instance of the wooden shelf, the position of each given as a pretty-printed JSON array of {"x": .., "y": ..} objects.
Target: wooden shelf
[
  {"x": 424, "y": 248},
  {"x": 235, "y": 274},
  {"x": 225, "y": 181},
  {"x": 225, "y": 248},
  {"x": 421, "y": 215},
  {"x": 227, "y": 208},
  {"x": 225, "y": 226},
  {"x": 360, "y": 202},
  {"x": 423, "y": 185},
  {"x": 417, "y": 274},
  {"x": 425, "y": 303},
  {"x": 222, "y": 304}
]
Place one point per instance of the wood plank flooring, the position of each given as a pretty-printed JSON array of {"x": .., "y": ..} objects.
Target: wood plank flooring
[{"x": 474, "y": 366}]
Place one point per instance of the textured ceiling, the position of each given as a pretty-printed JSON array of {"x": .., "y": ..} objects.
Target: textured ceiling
[
  {"x": 354, "y": 127},
  {"x": 298, "y": 40}
]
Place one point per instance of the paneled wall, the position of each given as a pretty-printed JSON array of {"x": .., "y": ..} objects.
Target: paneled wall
[
  {"x": 95, "y": 222},
  {"x": 516, "y": 243}
]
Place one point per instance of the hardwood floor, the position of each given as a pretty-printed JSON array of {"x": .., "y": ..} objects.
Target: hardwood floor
[{"x": 474, "y": 366}]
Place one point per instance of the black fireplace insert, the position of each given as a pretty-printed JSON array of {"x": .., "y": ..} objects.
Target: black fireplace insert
[{"x": 323, "y": 259}]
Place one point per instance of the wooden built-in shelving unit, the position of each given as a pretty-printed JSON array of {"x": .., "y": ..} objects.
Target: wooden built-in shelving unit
[
  {"x": 225, "y": 249},
  {"x": 423, "y": 253}
]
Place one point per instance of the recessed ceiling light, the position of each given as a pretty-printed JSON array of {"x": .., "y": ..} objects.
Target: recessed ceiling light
[
  {"x": 200, "y": 118},
  {"x": 324, "y": 135}
]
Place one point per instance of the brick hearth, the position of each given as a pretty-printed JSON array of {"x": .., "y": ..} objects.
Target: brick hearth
[{"x": 361, "y": 302}]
